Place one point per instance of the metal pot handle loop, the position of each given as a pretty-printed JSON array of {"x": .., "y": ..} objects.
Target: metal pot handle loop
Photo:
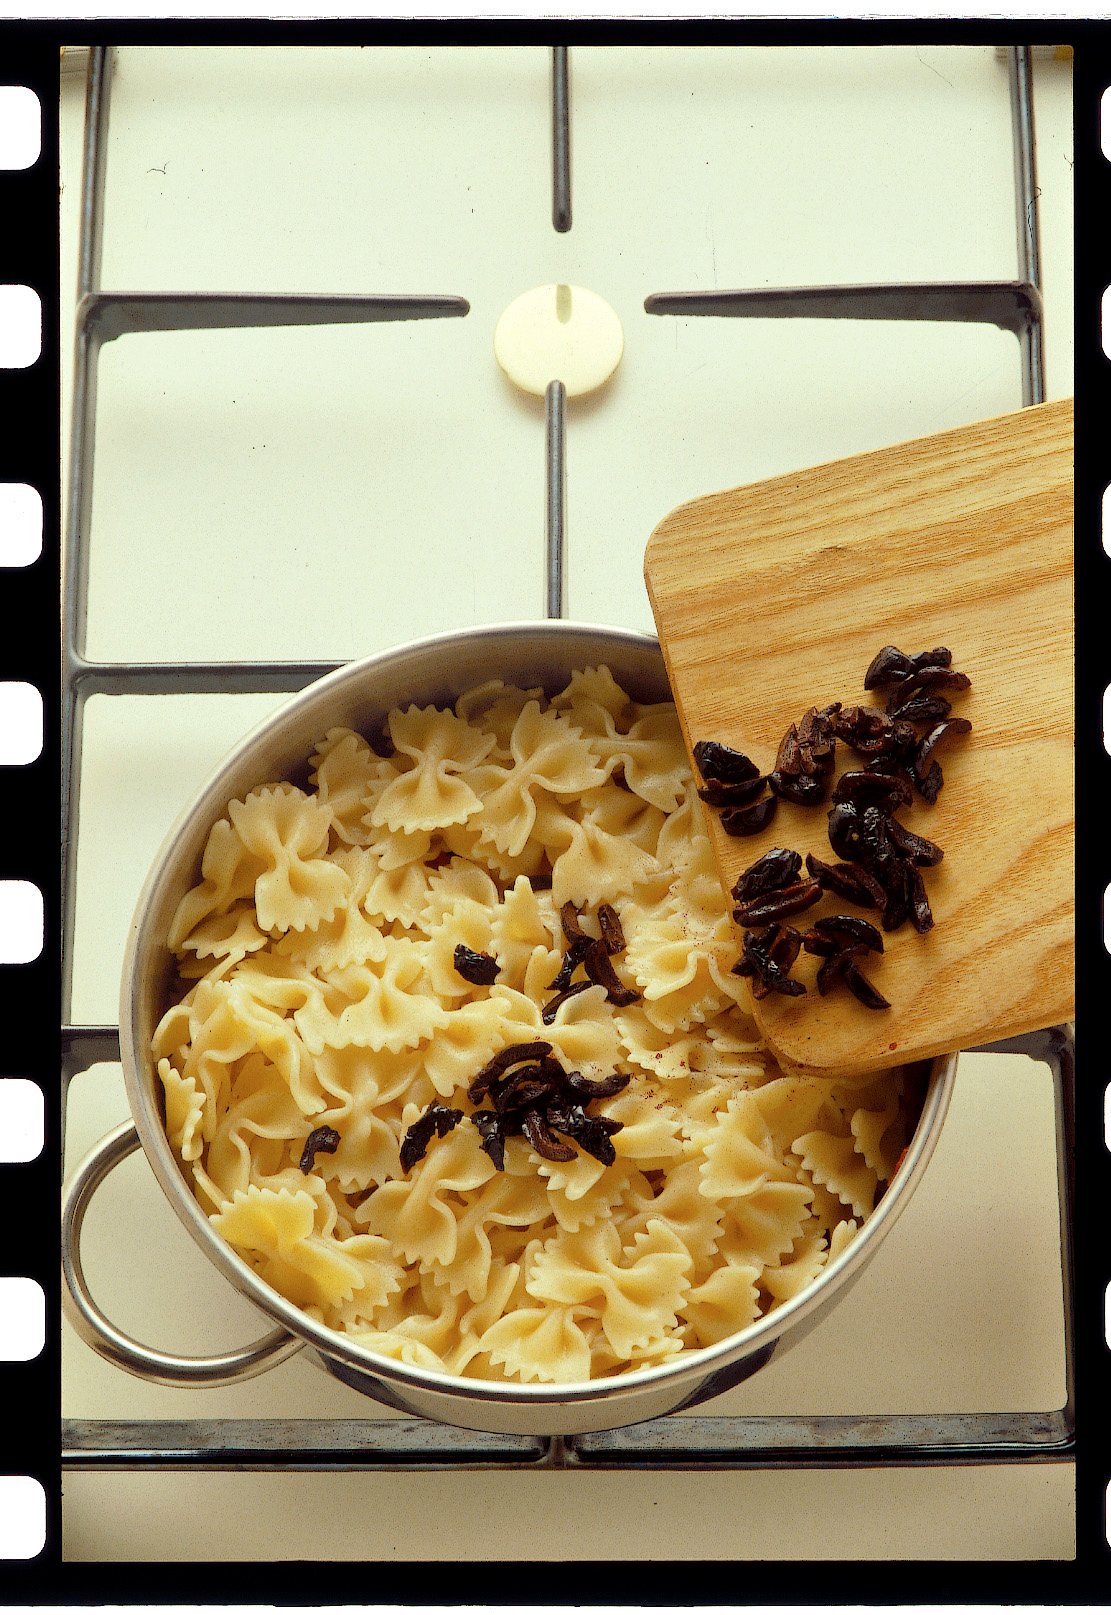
[{"x": 102, "y": 1335}]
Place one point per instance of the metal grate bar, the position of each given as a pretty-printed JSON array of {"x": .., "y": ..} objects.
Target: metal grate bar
[
  {"x": 830, "y": 1442},
  {"x": 561, "y": 139},
  {"x": 1032, "y": 338},
  {"x": 394, "y": 1444},
  {"x": 1012, "y": 305},
  {"x": 555, "y": 402},
  {"x": 196, "y": 678},
  {"x": 113, "y": 314},
  {"x": 83, "y": 1046}
]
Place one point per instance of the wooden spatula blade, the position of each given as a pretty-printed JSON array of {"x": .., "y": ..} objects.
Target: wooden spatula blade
[{"x": 773, "y": 598}]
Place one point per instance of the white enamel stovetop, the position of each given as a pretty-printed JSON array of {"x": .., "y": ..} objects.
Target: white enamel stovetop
[{"x": 325, "y": 493}]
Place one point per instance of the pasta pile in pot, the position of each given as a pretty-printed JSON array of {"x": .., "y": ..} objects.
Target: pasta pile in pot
[{"x": 317, "y": 966}]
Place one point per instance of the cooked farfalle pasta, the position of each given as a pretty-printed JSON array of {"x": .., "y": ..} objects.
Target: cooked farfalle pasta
[{"x": 319, "y": 988}]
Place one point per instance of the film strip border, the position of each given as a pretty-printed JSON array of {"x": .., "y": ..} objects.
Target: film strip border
[{"x": 29, "y": 759}]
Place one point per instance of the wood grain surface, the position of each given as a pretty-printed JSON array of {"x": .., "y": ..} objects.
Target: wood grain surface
[{"x": 775, "y": 597}]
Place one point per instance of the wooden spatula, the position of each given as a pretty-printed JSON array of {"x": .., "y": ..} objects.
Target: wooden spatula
[{"x": 774, "y": 598}]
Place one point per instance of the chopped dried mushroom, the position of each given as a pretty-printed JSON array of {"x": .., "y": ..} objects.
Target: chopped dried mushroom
[{"x": 881, "y": 859}]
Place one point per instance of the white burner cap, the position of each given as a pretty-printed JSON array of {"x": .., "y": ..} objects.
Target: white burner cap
[{"x": 559, "y": 333}]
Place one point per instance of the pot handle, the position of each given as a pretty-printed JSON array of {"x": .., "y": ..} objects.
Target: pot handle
[{"x": 102, "y": 1335}]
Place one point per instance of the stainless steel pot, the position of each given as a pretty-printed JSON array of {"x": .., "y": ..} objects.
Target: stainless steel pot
[{"x": 358, "y": 696}]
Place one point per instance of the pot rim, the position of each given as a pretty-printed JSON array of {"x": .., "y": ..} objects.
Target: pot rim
[{"x": 208, "y": 803}]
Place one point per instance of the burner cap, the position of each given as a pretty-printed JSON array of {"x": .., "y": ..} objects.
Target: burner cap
[{"x": 559, "y": 333}]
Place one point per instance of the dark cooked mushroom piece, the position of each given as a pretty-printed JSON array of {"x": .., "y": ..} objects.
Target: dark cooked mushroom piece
[
  {"x": 574, "y": 956},
  {"x": 888, "y": 666},
  {"x": 776, "y": 868},
  {"x": 481, "y": 969},
  {"x": 527, "y": 1084},
  {"x": 804, "y": 760},
  {"x": 776, "y": 905},
  {"x": 871, "y": 788},
  {"x": 438, "y": 1120},
  {"x": 599, "y": 969},
  {"x": 892, "y": 666},
  {"x": 817, "y": 743},
  {"x": 569, "y": 920},
  {"x": 492, "y": 1134},
  {"x": 593, "y": 1134},
  {"x": 922, "y": 853},
  {"x": 733, "y": 795},
  {"x": 543, "y": 1140},
  {"x": 321, "y": 1141},
  {"x": 839, "y": 949},
  {"x": 928, "y": 743},
  {"x": 720, "y": 764},
  {"x": 552, "y": 1007},
  {"x": 767, "y": 956},
  {"x": 805, "y": 790},
  {"x": 751, "y": 820},
  {"x": 850, "y": 881},
  {"x": 848, "y": 930},
  {"x": 915, "y": 706},
  {"x": 609, "y": 923},
  {"x": 513, "y": 1054},
  {"x": 587, "y": 1088},
  {"x": 858, "y": 983},
  {"x": 887, "y": 850}
]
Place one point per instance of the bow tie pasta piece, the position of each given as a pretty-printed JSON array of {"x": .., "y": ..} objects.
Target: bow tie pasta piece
[
  {"x": 650, "y": 1132},
  {"x": 468, "y": 841},
  {"x": 375, "y": 1006},
  {"x": 638, "y": 1289},
  {"x": 602, "y": 851},
  {"x": 467, "y": 924},
  {"x": 764, "y": 1225},
  {"x": 288, "y": 832},
  {"x": 275, "y": 1230},
  {"x": 579, "y": 1197},
  {"x": 836, "y": 1164},
  {"x": 185, "y": 1111},
  {"x": 796, "y": 1272},
  {"x": 524, "y": 921},
  {"x": 790, "y": 1106},
  {"x": 711, "y": 1309},
  {"x": 454, "y": 881},
  {"x": 514, "y": 1202},
  {"x": 494, "y": 707},
  {"x": 229, "y": 934},
  {"x": 739, "y": 1155},
  {"x": 350, "y": 777},
  {"x": 430, "y": 793},
  {"x": 583, "y": 1035},
  {"x": 253, "y": 1138},
  {"x": 412, "y": 1214},
  {"x": 349, "y": 937},
  {"x": 540, "y": 1343},
  {"x": 548, "y": 752},
  {"x": 594, "y": 701},
  {"x": 653, "y": 759},
  {"x": 679, "y": 1204},
  {"x": 880, "y": 1137},
  {"x": 459, "y": 1048},
  {"x": 229, "y": 871}
]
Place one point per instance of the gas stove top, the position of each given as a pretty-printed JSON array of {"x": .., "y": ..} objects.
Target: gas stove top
[{"x": 262, "y": 499}]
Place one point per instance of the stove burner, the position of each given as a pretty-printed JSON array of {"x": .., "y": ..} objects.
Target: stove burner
[{"x": 559, "y": 333}]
